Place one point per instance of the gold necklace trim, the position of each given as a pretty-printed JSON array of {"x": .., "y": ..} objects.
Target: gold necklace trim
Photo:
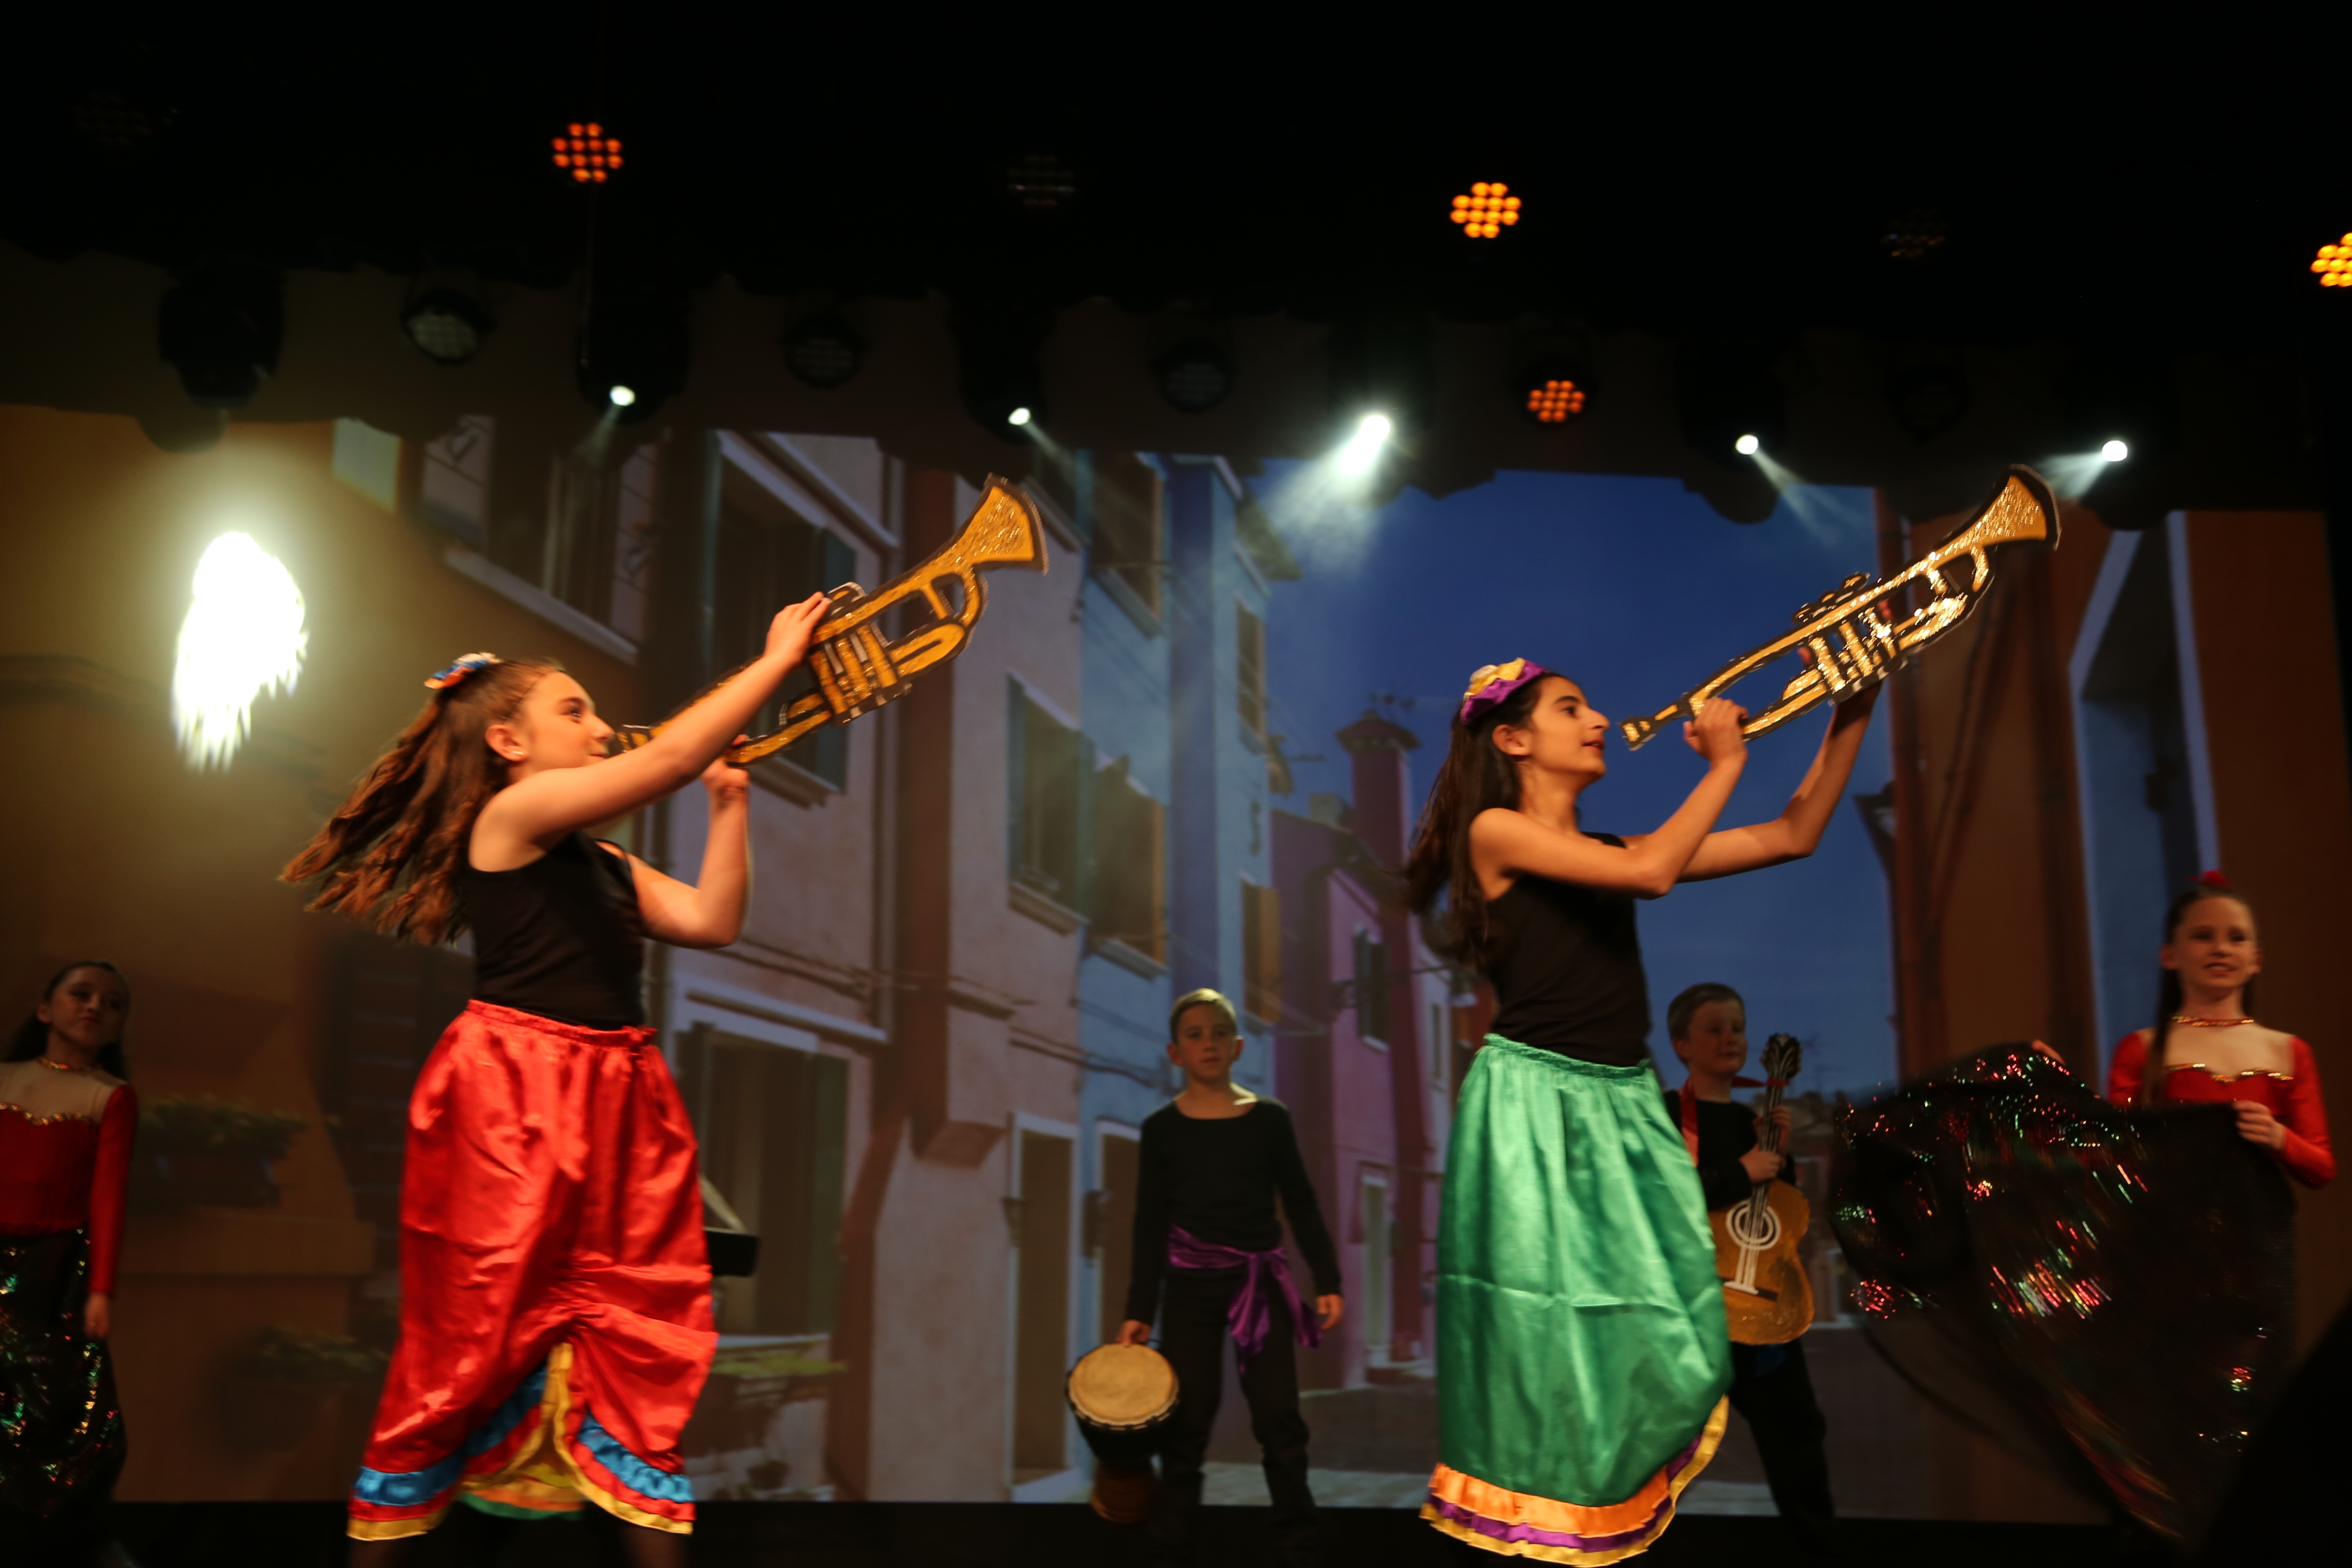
[
  {"x": 2184, "y": 1019},
  {"x": 56, "y": 1065}
]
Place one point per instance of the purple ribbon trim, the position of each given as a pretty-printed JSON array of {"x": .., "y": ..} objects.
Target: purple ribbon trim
[{"x": 1250, "y": 1320}]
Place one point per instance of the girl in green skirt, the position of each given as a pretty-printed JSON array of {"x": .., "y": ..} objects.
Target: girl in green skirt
[{"x": 1581, "y": 1353}]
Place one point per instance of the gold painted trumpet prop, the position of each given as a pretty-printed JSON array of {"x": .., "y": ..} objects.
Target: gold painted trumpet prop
[
  {"x": 858, "y": 671},
  {"x": 1847, "y": 638}
]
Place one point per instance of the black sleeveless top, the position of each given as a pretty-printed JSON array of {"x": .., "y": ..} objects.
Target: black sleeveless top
[
  {"x": 1567, "y": 969},
  {"x": 561, "y": 937}
]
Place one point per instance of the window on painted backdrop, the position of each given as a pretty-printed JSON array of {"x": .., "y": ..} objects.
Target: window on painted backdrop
[
  {"x": 1262, "y": 952},
  {"x": 773, "y": 1124},
  {"x": 1249, "y": 672},
  {"x": 1127, "y": 548},
  {"x": 1372, "y": 987},
  {"x": 581, "y": 529},
  {"x": 1129, "y": 902},
  {"x": 768, "y": 558},
  {"x": 1046, "y": 790}
]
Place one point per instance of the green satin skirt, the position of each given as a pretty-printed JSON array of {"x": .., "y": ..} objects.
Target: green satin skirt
[{"x": 1582, "y": 1354}]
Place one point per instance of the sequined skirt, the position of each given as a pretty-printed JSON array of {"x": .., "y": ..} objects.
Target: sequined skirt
[
  {"x": 61, "y": 1424},
  {"x": 2107, "y": 1293}
]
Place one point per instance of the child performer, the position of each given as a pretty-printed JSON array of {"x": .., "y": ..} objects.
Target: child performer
[
  {"x": 1582, "y": 1352},
  {"x": 1212, "y": 1162},
  {"x": 2205, "y": 1047},
  {"x": 1770, "y": 1386},
  {"x": 555, "y": 1320},
  {"x": 65, "y": 1122}
]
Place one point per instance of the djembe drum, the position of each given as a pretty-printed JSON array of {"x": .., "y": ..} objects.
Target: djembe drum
[{"x": 1124, "y": 1397}]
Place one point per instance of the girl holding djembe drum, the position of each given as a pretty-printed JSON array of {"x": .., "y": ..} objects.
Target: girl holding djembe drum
[
  {"x": 1209, "y": 1264},
  {"x": 1582, "y": 1353}
]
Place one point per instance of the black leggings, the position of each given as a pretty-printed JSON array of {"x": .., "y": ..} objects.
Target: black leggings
[
  {"x": 1781, "y": 1412},
  {"x": 1192, "y": 1336}
]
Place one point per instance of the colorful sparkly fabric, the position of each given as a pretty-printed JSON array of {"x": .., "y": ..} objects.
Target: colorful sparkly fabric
[
  {"x": 60, "y": 1424},
  {"x": 2108, "y": 1292}
]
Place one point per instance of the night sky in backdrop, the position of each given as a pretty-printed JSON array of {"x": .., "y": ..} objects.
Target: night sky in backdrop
[{"x": 1639, "y": 591}]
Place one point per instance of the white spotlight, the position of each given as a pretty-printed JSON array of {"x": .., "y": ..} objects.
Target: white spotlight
[
  {"x": 242, "y": 637},
  {"x": 1363, "y": 448},
  {"x": 622, "y": 396},
  {"x": 1748, "y": 446},
  {"x": 1018, "y": 416},
  {"x": 2114, "y": 451}
]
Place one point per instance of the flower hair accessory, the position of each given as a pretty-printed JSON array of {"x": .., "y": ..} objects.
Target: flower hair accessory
[
  {"x": 2213, "y": 879},
  {"x": 458, "y": 672},
  {"x": 1494, "y": 683}
]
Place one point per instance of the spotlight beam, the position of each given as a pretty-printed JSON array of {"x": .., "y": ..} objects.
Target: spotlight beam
[{"x": 1363, "y": 451}]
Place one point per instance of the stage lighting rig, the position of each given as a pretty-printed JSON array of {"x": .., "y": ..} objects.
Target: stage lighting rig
[
  {"x": 996, "y": 367},
  {"x": 586, "y": 153},
  {"x": 823, "y": 349},
  {"x": 1917, "y": 235},
  {"x": 633, "y": 355},
  {"x": 220, "y": 327},
  {"x": 2334, "y": 264},
  {"x": 1385, "y": 362},
  {"x": 446, "y": 326},
  {"x": 1928, "y": 394},
  {"x": 1486, "y": 210},
  {"x": 1729, "y": 394},
  {"x": 1553, "y": 391},
  {"x": 1194, "y": 375},
  {"x": 1040, "y": 184}
]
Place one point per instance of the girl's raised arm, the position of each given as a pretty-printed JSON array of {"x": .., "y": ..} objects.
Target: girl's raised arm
[
  {"x": 1797, "y": 831},
  {"x": 1511, "y": 842},
  {"x": 543, "y": 807}
]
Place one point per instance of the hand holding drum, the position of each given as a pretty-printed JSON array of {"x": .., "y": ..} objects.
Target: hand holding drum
[{"x": 1124, "y": 1397}]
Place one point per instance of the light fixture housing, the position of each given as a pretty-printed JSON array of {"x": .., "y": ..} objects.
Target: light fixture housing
[
  {"x": 636, "y": 345},
  {"x": 220, "y": 327},
  {"x": 446, "y": 326},
  {"x": 1727, "y": 389},
  {"x": 997, "y": 369},
  {"x": 1552, "y": 391},
  {"x": 823, "y": 349},
  {"x": 1193, "y": 375}
]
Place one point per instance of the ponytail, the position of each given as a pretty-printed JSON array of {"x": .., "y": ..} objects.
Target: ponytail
[{"x": 390, "y": 855}]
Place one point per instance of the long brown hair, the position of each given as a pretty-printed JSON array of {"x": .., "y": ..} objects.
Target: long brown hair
[
  {"x": 390, "y": 856},
  {"x": 32, "y": 1036},
  {"x": 1474, "y": 776},
  {"x": 2167, "y": 989}
]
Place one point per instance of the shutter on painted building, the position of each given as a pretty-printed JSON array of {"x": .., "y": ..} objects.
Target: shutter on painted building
[
  {"x": 1249, "y": 671},
  {"x": 1129, "y": 886},
  {"x": 1262, "y": 951}
]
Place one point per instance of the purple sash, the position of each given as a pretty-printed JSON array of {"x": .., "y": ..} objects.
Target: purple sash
[{"x": 1250, "y": 1320}]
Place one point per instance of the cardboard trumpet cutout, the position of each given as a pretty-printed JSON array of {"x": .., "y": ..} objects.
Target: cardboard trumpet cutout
[
  {"x": 856, "y": 670},
  {"x": 1846, "y": 638}
]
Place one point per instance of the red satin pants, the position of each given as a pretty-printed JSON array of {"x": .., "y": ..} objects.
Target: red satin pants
[{"x": 555, "y": 1293}]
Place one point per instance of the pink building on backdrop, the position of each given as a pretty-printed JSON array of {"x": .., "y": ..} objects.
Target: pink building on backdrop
[{"x": 1366, "y": 1055}]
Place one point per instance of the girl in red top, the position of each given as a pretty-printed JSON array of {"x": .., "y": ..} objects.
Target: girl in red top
[
  {"x": 65, "y": 1122},
  {"x": 2207, "y": 1047}
]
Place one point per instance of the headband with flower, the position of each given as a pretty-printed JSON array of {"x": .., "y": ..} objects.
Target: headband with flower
[
  {"x": 1494, "y": 683},
  {"x": 458, "y": 672}
]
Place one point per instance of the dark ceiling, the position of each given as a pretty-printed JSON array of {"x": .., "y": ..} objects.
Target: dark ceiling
[{"x": 2113, "y": 213}]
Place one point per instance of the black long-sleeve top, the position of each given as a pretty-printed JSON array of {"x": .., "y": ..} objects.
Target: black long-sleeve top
[
  {"x": 1726, "y": 1129},
  {"x": 1218, "y": 1179}
]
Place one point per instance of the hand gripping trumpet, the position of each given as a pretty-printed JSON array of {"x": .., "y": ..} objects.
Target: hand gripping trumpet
[
  {"x": 856, "y": 670},
  {"x": 1845, "y": 638}
]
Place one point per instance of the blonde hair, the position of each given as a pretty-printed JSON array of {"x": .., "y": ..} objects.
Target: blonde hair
[
  {"x": 1204, "y": 997},
  {"x": 390, "y": 856}
]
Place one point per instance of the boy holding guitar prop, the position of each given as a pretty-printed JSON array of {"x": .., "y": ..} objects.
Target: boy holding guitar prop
[{"x": 1758, "y": 1223}]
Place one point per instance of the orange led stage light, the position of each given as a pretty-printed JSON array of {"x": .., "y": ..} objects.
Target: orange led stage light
[
  {"x": 1555, "y": 401},
  {"x": 587, "y": 153},
  {"x": 2334, "y": 264},
  {"x": 1487, "y": 210}
]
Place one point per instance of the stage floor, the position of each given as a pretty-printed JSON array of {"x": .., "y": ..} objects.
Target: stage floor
[{"x": 1000, "y": 1535}]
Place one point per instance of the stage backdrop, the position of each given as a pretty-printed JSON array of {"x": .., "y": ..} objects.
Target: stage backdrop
[{"x": 1191, "y": 755}]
